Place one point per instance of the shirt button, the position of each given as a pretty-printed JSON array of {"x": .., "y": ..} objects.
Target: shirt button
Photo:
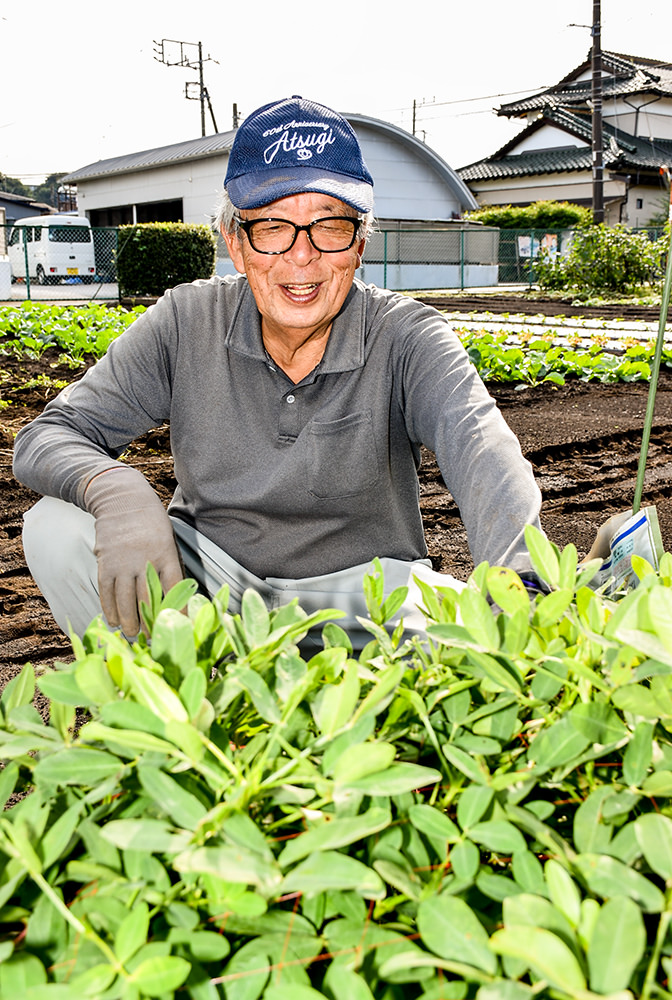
[{"x": 290, "y": 398}]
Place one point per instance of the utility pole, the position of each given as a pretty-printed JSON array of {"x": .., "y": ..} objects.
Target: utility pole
[
  {"x": 596, "y": 96},
  {"x": 185, "y": 56}
]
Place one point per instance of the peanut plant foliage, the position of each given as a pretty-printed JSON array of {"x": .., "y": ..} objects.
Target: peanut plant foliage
[{"x": 481, "y": 812}]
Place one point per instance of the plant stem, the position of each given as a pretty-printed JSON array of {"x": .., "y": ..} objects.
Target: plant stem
[{"x": 663, "y": 924}]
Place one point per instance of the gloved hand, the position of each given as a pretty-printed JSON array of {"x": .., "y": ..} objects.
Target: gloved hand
[
  {"x": 600, "y": 548},
  {"x": 132, "y": 529}
]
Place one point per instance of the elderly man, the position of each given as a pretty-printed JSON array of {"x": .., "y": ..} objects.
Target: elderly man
[{"x": 298, "y": 399}]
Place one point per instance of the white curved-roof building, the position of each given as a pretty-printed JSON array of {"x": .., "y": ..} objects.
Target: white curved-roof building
[{"x": 414, "y": 188}]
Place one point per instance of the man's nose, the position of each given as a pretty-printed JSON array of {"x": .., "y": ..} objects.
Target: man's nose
[{"x": 303, "y": 251}]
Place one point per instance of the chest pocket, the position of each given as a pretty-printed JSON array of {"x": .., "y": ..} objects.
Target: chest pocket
[{"x": 341, "y": 456}]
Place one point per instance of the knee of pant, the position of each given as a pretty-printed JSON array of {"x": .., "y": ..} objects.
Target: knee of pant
[{"x": 57, "y": 532}]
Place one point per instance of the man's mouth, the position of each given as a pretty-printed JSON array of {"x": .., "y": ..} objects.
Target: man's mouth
[{"x": 303, "y": 292}]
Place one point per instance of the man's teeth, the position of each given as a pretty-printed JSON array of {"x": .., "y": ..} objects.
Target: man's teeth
[{"x": 301, "y": 289}]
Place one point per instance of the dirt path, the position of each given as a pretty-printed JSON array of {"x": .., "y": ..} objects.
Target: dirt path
[{"x": 582, "y": 439}]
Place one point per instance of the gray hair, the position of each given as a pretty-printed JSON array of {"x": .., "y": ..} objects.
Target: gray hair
[{"x": 225, "y": 219}]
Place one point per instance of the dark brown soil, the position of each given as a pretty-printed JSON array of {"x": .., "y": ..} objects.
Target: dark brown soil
[{"x": 583, "y": 440}]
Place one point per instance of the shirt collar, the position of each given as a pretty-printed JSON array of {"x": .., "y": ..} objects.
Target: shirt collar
[{"x": 345, "y": 349}]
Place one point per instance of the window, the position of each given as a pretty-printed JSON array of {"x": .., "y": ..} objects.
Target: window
[
  {"x": 15, "y": 237},
  {"x": 640, "y": 203},
  {"x": 69, "y": 234}
]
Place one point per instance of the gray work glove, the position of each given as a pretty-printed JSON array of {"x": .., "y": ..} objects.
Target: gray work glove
[{"x": 132, "y": 529}]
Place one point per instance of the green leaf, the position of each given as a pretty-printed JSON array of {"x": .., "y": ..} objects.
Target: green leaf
[
  {"x": 335, "y": 703},
  {"x": 184, "y": 809},
  {"x": 508, "y": 591},
  {"x": 557, "y": 745},
  {"x": 591, "y": 834},
  {"x": 478, "y": 619},
  {"x": 142, "y": 835},
  {"x": 21, "y": 971},
  {"x": 544, "y": 953},
  {"x": 638, "y": 754},
  {"x": 598, "y": 722},
  {"x": 654, "y": 836},
  {"x": 93, "y": 982},
  {"x": 466, "y": 764},
  {"x": 465, "y": 859},
  {"x": 59, "y": 834},
  {"x": 343, "y": 983},
  {"x": 329, "y": 870},
  {"x": 451, "y": 929},
  {"x": 256, "y": 687},
  {"x": 132, "y": 932},
  {"x": 563, "y": 891},
  {"x": 232, "y": 864},
  {"x": 433, "y": 823},
  {"x": 472, "y": 804},
  {"x": 337, "y": 832},
  {"x": 153, "y": 692},
  {"x": 616, "y": 945},
  {"x": 159, "y": 975},
  {"x": 292, "y": 991},
  {"x": 543, "y": 555},
  {"x": 94, "y": 681},
  {"x": 400, "y": 777},
  {"x": 498, "y": 835},
  {"x": 61, "y": 687},
  {"x": 608, "y": 877},
  {"x": 552, "y": 607},
  {"x": 20, "y": 690},
  {"x": 77, "y": 766},
  {"x": 193, "y": 690},
  {"x": 255, "y": 617},
  {"x": 361, "y": 759}
]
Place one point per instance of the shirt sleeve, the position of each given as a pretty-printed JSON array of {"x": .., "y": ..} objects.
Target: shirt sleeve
[
  {"x": 449, "y": 410},
  {"x": 85, "y": 429}
]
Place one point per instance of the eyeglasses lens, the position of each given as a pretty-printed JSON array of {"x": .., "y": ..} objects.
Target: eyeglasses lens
[{"x": 327, "y": 235}]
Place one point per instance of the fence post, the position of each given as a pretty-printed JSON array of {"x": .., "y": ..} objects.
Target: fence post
[
  {"x": 461, "y": 260},
  {"x": 385, "y": 259},
  {"x": 25, "y": 257},
  {"x": 529, "y": 278}
]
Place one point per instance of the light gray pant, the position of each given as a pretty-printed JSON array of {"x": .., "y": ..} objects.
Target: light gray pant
[{"x": 58, "y": 542}]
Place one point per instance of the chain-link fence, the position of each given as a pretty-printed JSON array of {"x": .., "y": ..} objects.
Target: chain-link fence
[{"x": 41, "y": 258}]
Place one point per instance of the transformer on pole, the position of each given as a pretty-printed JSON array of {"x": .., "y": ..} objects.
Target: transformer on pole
[{"x": 188, "y": 55}]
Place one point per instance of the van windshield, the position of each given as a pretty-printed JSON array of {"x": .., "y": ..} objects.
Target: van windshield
[{"x": 69, "y": 234}]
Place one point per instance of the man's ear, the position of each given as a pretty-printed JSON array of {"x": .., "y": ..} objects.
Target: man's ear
[
  {"x": 234, "y": 246},
  {"x": 360, "y": 252}
]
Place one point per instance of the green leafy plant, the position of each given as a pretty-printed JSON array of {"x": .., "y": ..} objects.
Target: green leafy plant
[
  {"x": 483, "y": 812},
  {"x": 542, "y": 215},
  {"x": 29, "y": 329},
  {"x": 601, "y": 257},
  {"x": 155, "y": 256}
]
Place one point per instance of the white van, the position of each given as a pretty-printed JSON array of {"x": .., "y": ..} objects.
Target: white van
[{"x": 54, "y": 246}]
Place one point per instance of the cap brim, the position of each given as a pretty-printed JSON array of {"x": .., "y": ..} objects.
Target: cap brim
[{"x": 254, "y": 190}]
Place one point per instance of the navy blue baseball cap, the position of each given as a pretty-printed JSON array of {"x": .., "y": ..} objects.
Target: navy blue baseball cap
[{"x": 295, "y": 146}]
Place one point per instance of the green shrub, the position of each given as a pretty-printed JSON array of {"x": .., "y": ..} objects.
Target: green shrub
[
  {"x": 155, "y": 256},
  {"x": 542, "y": 215},
  {"x": 603, "y": 258},
  {"x": 485, "y": 814}
]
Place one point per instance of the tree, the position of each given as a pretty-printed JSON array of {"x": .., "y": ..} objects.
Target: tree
[
  {"x": 12, "y": 185},
  {"x": 48, "y": 190}
]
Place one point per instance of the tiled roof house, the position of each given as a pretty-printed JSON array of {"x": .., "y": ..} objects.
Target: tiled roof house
[{"x": 551, "y": 159}]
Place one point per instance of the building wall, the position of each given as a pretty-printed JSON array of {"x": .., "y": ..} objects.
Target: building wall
[{"x": 198, "y": 183}]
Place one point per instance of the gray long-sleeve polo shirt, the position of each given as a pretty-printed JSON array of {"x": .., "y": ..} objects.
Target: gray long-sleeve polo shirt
[{"x": 295, "y": 480}]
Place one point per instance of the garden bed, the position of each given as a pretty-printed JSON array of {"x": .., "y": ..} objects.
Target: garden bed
[{"x": 583, "y": 440}]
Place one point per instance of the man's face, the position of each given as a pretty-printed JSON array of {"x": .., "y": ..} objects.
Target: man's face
[{"x": 298, "y": 293}]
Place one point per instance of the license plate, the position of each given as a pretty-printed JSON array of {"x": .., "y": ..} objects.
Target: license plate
[{"x": 73, "y": 270}]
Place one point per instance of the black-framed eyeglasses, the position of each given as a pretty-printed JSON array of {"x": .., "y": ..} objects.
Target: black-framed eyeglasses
[{"x": 332, "y": 234}]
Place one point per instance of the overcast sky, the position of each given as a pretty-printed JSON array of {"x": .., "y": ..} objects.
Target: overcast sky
[{"x": 81, "y": 83}]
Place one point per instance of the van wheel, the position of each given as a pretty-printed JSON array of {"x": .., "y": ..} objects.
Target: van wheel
[{"x": 41, "y": 276}]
